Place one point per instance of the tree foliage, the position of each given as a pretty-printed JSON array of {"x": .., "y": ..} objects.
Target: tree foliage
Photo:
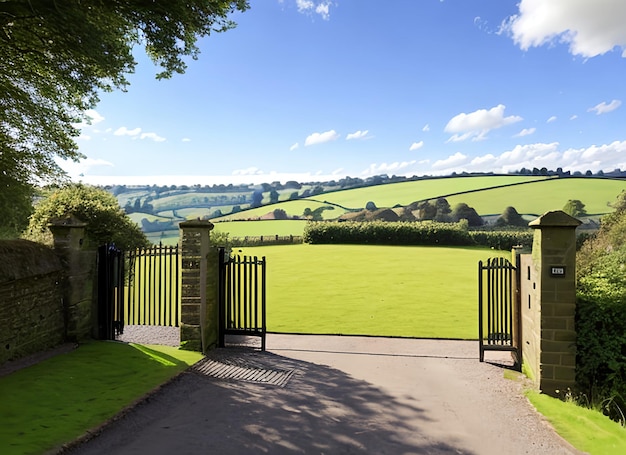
[
  {"x": 601, "y": 314},
  {"x": 56, "y": 56},
  {"x": 575, "y": 207},
  {"x": 510, "y": 217},
  {"x": 106, "y": 221},
  {"x": 462, "y": 211}
]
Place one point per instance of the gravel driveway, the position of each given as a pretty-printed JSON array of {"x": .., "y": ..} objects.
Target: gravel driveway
[{"x": 336, "y": 395}]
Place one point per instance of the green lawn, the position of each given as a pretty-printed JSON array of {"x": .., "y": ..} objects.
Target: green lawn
[
  {"x": 428, "y": 292},
  {"x": 59, "y": 399},
  {"x": 585, "y": 429}
]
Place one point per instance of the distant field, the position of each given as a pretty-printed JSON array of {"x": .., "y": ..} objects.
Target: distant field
[
  {"x": 530, "y": 195},
  {"x": 406, "y": 192},
  {"x": 541, "y": 196},
  {"x": 295, "y": 207},
  {"x": 373, "y": 290},
  {"x": 266, "y": 227}
]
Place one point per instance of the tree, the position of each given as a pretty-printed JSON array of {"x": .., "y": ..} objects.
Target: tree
[
  {"x": 574, "y": 207},
  {"x": 463, "y": 211},
  {"x": 257, "y": 198},
  {"x": 426, "y": 211},
  {"x": 510, "y": 217},
  {"x": 443, "y": 210},
  {"x": 370, "y": 206},
  {"x": 106, "y": 221},
  {"x": 57, "y": 56},
  {"x": 274, "y": 195}
]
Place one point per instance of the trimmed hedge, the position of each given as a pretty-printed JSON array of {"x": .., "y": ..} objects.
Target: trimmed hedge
[
  {"x": 503, "y": 240},
  {"x": 411, "y": 233}
]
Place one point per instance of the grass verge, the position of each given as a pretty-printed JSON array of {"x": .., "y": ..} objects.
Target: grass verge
[
  {"x": 56, "y": 401},
  {"x": 586, "y": 429}
]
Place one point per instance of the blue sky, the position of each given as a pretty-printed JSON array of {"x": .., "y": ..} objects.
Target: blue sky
[{"x": 318, "y": 90}]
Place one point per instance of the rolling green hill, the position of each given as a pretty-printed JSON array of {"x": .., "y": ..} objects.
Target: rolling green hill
[{"x": 488, "y": 195}]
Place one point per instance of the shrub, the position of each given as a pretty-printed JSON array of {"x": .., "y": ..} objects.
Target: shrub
[
  {"x": 503, "y": 239},
  {"x": 387, "y": 233},
  {"x": 106, "y": 221}
]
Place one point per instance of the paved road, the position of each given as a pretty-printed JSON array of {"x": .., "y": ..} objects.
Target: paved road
[{"x": 337, "y": 395}]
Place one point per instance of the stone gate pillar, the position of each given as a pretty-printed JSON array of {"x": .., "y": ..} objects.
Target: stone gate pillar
[
  {"x": 79, "y": 262},
  {"x": 199, "y": 299},
  {"x": 554, "y": 261}
]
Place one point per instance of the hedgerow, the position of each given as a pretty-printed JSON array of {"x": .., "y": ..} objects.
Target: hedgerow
[
  {"x": 411, "y": 233},
  {"x": 503, "y": 239},
  {"x": 601, "y": 317},
  {"x": 387, "y": 233}
]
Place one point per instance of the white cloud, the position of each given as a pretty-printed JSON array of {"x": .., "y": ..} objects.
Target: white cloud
[
  {"x": 185, "y": 139},
  {"x": 526, "y": 132},
  {"x": 426, "y": 128},
  {"x": 91, "y": 118},
  {"x": 136, "y": 133},
  {"x": 551, "y": 119},
  {"x": 416, "y": 146},
  {"x": 452, "y": 161},
  {"x": 76, "y": 170},
  {"x": 384, "y": 168},
  {"x": 322, "y": 8},
  {"x": 604, "y": 157},
  {"x": 603, "y": 108},
  {"x": 590, "y": 28},
  {"x": 320, "y": 138},
  {"x": 248, "y": 171},
  {"x": 358, "y": 135},
  {"x": 573, "y": 117},
  {"x": 477, "y": 124},
  {"x": 123, "y": 131},
  {"x": 294, "y": 147},
  {"x": 155, "y": 137}
]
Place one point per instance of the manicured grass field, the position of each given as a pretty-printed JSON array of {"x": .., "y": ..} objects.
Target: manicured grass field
[
  {"x": 58, "y": 400},
  {"x": 428, "y": 292}
]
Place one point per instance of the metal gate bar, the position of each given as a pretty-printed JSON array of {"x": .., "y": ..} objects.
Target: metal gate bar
[
  {"x": 153, "y": 286},
  {"x": 500, "y": 307},
  {"x": 242, "y": 296}
]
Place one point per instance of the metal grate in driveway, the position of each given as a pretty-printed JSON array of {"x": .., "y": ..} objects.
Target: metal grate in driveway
[{"x": 243, "y": 368}]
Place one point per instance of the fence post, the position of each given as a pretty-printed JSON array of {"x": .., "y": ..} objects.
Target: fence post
[
  {"x": 79, "y": 262},
  {"x": 199, "y": 319},
  {"x": 554, "y": 261}
]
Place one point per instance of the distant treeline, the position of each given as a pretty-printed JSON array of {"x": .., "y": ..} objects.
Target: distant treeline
[{"x": 344, "y": 183}]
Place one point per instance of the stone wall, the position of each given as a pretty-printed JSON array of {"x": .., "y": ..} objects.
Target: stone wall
[{"x": 32, "y": 316}]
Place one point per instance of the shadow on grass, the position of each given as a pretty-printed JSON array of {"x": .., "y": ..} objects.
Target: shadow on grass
[{"x": 320, "y": 410}]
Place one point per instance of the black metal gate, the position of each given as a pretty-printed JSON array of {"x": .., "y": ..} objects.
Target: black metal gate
[
  {"x": 242, "y": 296},
  {"x": 153, "y": 286},
  {"x": 498, "y": 307},
  {"x": 110, "y": 292},
  {"x": 137, "y": 287}
]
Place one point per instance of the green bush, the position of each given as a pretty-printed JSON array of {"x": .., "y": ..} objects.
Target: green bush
[
  {"x": 106, "y": 221},
  {"x": 503, "y": 239},
  {"x": 601, "y": 353},
  {"x": 413, "y": 233},
  {"x": 601, "y": 317},
  {"x": 387, "y": 233}
]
